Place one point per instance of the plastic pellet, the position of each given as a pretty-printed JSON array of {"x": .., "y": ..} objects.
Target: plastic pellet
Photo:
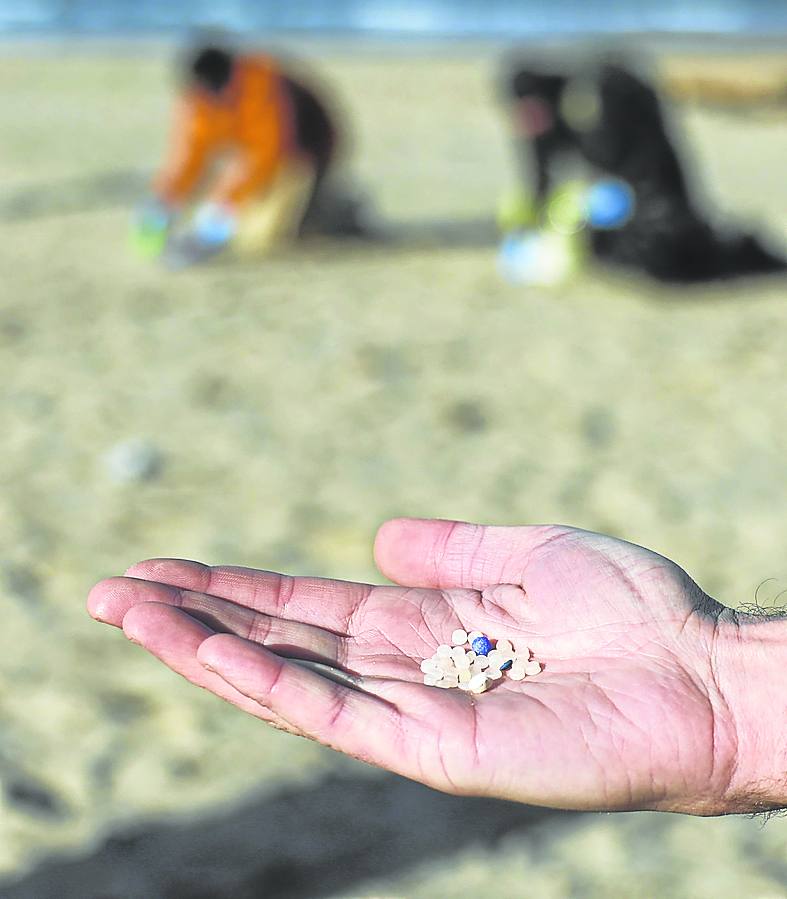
[
  {"x": 517, "y": 671},
  {"x": 473, "y": 670},
  {"x": 478, "y": 683},
  {"x": 481, "y": 645}
]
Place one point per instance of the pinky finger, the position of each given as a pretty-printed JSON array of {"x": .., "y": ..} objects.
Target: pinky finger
[{"x": 346, "y": 719}]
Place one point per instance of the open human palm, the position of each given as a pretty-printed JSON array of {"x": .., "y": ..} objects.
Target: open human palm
[{"x": 628, "y": 711}]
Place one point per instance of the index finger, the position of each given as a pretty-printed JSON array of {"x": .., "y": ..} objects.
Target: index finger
[{"x": 324, "y": 602}]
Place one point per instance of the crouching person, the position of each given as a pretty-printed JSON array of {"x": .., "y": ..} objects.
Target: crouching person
[{"x": 252, "y": 147}]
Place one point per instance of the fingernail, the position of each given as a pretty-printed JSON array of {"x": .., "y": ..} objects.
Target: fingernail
[{"x": 208, "y": 667}]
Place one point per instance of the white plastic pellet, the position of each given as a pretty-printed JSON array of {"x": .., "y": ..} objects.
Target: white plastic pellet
[
  {"x": 532, "y": 668},
  {"x": 517, "y": 671},
  {"x": 465, "y": 677},
  {"x": 462, "y": 662},
  {"x": 459, "y": 637},
  {"x": 446, "y": 685},
  {"x": 496, "y": 658},
  {"x": 450, "y": 680},
  {"x": 505, "y": 646},
  {"x": 430, "y": 680},
  {"x": 482, "y": 662},
  {"x": 478, "y": 683},
  {"x": 443, "y": 650},
  {"x": 493, "y": 673},
  {"x": 471, "y": 655},
  {"x": 464, "y": 686},
  {"x": 428, "y": 666},
  {"x": 473, "y": 635},
  {"x": 457, "y": 653},
  {"x": 446, "y": 663}
]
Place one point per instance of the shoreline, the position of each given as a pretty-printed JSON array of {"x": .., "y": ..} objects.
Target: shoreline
[{"x": 371, "y": 42}]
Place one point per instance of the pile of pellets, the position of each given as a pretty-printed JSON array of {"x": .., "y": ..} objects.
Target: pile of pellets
[{"x": 472, "y": 662}]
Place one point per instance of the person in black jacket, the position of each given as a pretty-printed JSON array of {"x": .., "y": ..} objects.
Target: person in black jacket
[{"x": 609, "y": 121}]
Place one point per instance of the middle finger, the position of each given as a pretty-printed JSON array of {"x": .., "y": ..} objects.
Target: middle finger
[{"x": 280, "y": 635}]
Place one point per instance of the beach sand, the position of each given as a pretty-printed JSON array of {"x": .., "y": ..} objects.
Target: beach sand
[{"x": 285, "y": 409}]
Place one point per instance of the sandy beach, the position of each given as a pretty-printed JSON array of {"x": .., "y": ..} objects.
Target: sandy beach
[{"x": 283, "y": 410}]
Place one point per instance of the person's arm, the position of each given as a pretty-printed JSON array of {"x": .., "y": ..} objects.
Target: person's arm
[
  {"x": 752, "y": 672},
  {"x": 263, "y": 140},
  {"x": 190, "y": 145},
  {"x": 537, "y": 142},
  {"x": 539, "y": 162},
  {"x": 652, "y": 694}
]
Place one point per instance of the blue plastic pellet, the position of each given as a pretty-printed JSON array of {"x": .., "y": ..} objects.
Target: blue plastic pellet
[
  {"x": 481, "y": 646},
  {"x": 506, "y": 665}
]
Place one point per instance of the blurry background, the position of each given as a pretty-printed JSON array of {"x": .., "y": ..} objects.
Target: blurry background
[{"x": 273, "y": 414}]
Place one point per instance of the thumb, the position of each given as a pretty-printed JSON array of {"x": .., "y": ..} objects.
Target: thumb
[{"x": 419, "y": 552}]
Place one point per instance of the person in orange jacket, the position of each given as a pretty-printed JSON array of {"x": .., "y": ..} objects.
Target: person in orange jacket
[{"x": 268, "y": 141}]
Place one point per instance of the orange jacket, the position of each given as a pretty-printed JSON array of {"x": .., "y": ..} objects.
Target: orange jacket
[{"x": 250, "y": 121}]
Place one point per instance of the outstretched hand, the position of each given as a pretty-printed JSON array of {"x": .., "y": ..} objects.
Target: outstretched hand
[{"x": 630, "y": 711}]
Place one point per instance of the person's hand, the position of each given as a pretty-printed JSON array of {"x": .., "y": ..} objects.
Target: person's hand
[
  {"x": 638, "y": 706},
  {"x": 211, "y": 230}
]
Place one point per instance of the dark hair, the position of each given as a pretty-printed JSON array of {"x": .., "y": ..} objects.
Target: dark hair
[
  {"x": 524, "y": 82},
  {"x": 212, "y": 67}
]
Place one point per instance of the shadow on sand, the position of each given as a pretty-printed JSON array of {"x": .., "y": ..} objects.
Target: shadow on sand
[
  {"x": 305, "y": 842},
  {"x": 123, "y": 189},
  {"x": 68, "y": 196}
]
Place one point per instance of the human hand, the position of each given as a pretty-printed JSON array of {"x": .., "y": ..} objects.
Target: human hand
[
  {"x": 211, "y": 230},
  {"x": 641, "y": 704}
]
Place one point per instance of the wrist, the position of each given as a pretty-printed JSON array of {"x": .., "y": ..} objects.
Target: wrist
[{"x": 750, "y": 661}]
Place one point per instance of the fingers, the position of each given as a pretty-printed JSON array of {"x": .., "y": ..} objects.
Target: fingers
[
  {"x": 111, "y": 600},
  {"x": 326, "y": 603},
  {"x": 354, "y": 722},
  {"x": 395, "y": 628},
  {"x": 174, "y": 637},
  {"x": 419, "y": 552}
]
